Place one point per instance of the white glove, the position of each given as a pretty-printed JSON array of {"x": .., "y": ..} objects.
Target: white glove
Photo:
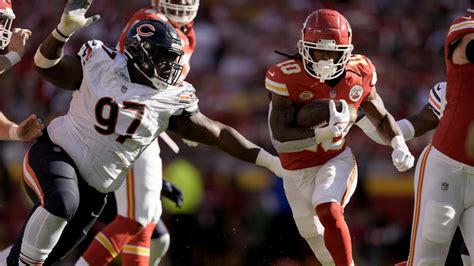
[
  {"x": 401, "y": 156},
  {"x": 73, "y": 18},
  {"x": 338, "y": 126}
]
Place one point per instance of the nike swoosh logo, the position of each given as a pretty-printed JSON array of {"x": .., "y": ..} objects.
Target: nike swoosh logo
[{"x": 271, "y": 73}]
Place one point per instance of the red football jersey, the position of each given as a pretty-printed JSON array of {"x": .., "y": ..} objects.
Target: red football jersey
[
  {"x": 289, "y": 79},
  {"x": 450, "y": 135},
  {"x": 187, "y": 34}
]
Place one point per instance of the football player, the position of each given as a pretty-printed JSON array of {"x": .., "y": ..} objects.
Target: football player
[
  {"x": 417, "y": 125},
  {"x": 321, "y": 172},
  {"x": 141, "y": 196},
  {"x": 444, "y": 173},
  {"x": 121, "y": 103},
  {"x": 31, "y": 127}
]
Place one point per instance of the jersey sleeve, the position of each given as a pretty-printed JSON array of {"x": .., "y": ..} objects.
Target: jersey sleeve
[
  {"x": 275, "y": 81},
  {"x": 187, "y": 101},
  {"x": 366, "y": 69},
  {"x": 88, "y": 49},
  {"x": 437, "y": 99}
]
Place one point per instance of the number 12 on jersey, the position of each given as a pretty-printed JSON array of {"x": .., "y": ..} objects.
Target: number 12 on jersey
[{"x": 108, "y": 120}]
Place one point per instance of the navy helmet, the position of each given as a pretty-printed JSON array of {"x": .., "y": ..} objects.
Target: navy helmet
[{"x": 155, "y": 49}]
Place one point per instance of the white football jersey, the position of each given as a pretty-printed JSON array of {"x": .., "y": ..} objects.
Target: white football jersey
[
  {"x": 437, "y": 99},
  {"x": 112, "y": 120}
]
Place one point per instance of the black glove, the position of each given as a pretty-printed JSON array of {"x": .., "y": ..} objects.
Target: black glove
[{"x": 172, "y": 192}]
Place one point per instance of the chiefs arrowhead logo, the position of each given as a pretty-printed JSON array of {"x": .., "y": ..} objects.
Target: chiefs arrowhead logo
[{"x": 356, "y": 93}]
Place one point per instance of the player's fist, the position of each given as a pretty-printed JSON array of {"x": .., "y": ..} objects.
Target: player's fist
[
  {"x": 30, "y": 128},
  {"x": 401, "y": 156},
  {"x": 172, "y": 192},
  {"x": 73, "y": 17},
  {"x": 18, "y": 41}
]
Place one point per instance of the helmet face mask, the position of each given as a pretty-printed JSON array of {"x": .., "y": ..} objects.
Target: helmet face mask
[
  {"x": 155, "y": 50},
  {"x": 179, "y": 11},
  {"x": 6, "y": 19},
  {"x": 325, "y": 30}
]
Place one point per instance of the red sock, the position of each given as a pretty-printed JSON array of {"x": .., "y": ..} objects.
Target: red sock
[
  {"x": 108, "y": 243},
  {"x": 137, "y": 251},
  {"x": 336, "y": 234}
]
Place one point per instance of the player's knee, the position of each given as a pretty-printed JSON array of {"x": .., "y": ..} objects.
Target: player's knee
[
  {"x": 438, "y": 222},
  {"x": 329, "y": 213},
  {"x": 63, "y": 203},
  {"x": 308, "y": 226}
]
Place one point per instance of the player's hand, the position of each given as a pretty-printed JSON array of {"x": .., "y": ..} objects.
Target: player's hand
[
  {"x": 73, "y": 18},
  {"x": 172, "y": 192},
  {"x": 18, "y": 41},
  {"x": 341, "y": 120},
  {"x": 338, "y": 125},
  {"x": 190, "y": 143},
  {"x": 401, "y": 156},
  {"x": 30, "y": 128}
]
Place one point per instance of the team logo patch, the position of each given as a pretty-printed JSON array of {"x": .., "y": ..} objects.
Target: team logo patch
[
  {"x": 356, "y": 93},
  {"x": 146, "y": 30},
  {"x": 187, "y": 96},
  {"x": 444, "y": 186},
  {"x": 306, "y": 95}
]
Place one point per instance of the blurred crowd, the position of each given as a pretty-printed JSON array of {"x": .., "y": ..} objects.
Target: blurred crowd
[{"x": 239, "y": 215}]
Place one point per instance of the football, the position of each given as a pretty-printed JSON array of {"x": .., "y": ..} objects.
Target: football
[{"x": 315, "y": 113}]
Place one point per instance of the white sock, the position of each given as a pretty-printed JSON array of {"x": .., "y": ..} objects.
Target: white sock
[
  {"x": 42, "y": 232},
  {"x": 158, "y": 249}
]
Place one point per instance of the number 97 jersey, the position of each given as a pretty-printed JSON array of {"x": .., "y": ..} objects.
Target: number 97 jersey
[{"x": 112, "y": 120}]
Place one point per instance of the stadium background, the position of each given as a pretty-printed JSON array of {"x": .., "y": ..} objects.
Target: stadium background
[{"x": 235, "y": 213}]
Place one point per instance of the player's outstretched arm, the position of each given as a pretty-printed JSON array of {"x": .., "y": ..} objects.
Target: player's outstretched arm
[
  {"x": 388, "y": 130},
  {"x": 412, "y": 127},
  {"x": 201, "y": 129},
  {"x": 63, "y": 70}
]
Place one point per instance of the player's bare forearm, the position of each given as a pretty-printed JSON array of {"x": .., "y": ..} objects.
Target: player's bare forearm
[
  {"x": 67, "y": 73},
  {"x": 282, "y": 121},
  {"x": 383, "y": 121},
  {"x": 424, "y": 121},
  {"x": 201, "y": 129}
]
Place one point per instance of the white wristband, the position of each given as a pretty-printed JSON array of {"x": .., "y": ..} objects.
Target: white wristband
[
  {"x": 59, "y": 36},
  {"x": 43, "y": 62},
  {"x": 12, "y": 132},
  {"x": 13, "y": 57},
  {"x": 407, "y": 129},
  {"x": 398, "y": 143}
]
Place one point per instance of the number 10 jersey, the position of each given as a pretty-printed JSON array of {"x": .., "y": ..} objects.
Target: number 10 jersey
[{"x": 112, "y": 120}]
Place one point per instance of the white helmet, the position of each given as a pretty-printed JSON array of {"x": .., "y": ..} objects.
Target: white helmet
[
  {"x": 177, "y": 11},
  {"x": 6, "y": 19}
]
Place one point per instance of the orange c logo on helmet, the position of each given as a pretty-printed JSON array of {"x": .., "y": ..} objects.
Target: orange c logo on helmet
[{"x": 145, "y": 30}]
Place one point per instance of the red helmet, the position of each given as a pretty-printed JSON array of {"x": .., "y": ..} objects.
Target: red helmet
[
  {"x": 6, "y": 18},
  {"x": 177, "y": 11},
  {"x": 328, "y": 30},
  {"x": 460, "y": 27}
]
